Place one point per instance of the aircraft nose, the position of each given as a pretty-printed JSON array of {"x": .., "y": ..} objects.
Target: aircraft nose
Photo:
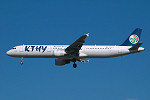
[{"x": 8, "y": 53}]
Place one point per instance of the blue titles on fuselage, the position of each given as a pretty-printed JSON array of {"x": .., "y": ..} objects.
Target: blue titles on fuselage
[{"x": 36, "y": 48}]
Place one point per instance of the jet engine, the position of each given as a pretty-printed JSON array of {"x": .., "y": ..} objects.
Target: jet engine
[{"x": 60, "y": 62}]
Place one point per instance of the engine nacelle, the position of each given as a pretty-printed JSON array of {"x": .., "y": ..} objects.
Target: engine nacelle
[{"x": 60, "y": 62}]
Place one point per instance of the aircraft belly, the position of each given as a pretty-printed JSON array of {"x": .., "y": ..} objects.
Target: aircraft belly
[{"x": 102, "y": 53}]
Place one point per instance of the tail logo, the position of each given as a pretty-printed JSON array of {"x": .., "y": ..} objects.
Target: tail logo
[{"x": 134, "y": 39}]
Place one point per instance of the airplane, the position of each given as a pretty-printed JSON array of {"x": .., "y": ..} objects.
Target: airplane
[{"x": 77, "y": 51}]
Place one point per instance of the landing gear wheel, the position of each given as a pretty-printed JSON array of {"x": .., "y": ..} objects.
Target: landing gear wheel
[
  {"x": 21, "y": 63},
  {"x": 74, "y": 65}
]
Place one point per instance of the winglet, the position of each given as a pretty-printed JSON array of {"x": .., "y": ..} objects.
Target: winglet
[
  {"x": 136, "y": 46},
  {"x": 87, "y": 34}
]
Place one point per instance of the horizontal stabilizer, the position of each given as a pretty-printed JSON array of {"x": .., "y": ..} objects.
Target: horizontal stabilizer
[{"x": 135, "y": 46}]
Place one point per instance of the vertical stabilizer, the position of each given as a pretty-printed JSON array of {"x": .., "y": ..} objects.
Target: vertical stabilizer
[{"x": 134, "y": 38}]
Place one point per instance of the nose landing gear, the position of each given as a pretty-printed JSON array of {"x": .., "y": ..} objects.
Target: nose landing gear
[{"x": 21, "y": 61}]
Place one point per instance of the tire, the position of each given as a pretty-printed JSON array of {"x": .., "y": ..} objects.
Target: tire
[{"x": 74, "y": 65}]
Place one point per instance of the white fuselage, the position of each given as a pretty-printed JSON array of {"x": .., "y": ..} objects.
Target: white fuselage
[{"x": 58, "y": 51}]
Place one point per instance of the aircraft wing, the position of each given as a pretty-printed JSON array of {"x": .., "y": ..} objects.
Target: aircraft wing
[{"x": 74, "y": 48}]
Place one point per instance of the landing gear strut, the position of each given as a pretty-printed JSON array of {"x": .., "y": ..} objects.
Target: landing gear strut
[
  {"x": 21, "y": 61},
  {"x": 74, "y": 65}
]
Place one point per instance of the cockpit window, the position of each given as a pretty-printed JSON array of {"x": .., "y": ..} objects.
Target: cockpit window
[{"x": 14, "y": 48}]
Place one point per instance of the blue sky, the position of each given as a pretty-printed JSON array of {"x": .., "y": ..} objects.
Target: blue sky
[{"x": 62, "y": 22}]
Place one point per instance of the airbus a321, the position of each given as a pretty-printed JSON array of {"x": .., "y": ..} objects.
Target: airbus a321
[{"x": 77, "y": 51}]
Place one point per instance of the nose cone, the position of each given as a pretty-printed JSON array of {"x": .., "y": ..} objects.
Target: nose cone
[{"x": 8, "y": 53}]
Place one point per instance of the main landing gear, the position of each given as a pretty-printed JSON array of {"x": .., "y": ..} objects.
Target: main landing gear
[
  {"x": 21, "y": 61},
  {"x": 74, "y": 61},
  {"x": 74, "y": 65},
  {"x": 80, "y": 60}
]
